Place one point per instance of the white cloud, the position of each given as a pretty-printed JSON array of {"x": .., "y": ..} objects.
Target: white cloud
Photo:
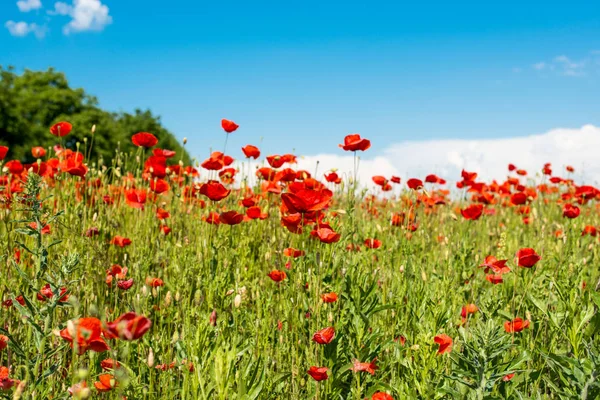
[
  {"x": 539, "y": 66},
  {"x": 488, "y": 157},
  {"x": 86, "y": 15},
  {"x": 28, "y": 5},
  {"x": 22, "y": 29},
  {"x": 565, "y": 66}
]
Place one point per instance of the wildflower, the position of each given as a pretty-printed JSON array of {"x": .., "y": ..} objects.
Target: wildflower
[
  {"x": 369, "y": 367},
  {"x": 373, "y": 243},
  {"x": 61, "y": 129},
  {"x": 120, "y": 241},
  {"x": 354, "y": 142},
  {"x": 324, "y": 336},
  {"x": 229, "y": 126},
  {"x": 445, "y": 343},
  {"x": 276, "y": 275},
  {"x": 105, "y": 383},
  {"x": 571, "y": 211},
  {"x": 251, "y": 151},
  {"x": 527, "y": 257},
  {"x": 38, "y": 152},
  {"x": 86, "y": 332},
  {"x": 516, "y": 325},
  {"x": 129, "y": 326},
  {"x": 473, "y": 212},
  {"x": 144, "y": 139},
  {"x": 318, "y": 373},
  {"x": 329, "y": 297},
  {"x": 214, "y": 190}
]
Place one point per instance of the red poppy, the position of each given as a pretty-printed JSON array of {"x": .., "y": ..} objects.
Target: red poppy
[
  {"x": 381, "y": 396},
  {"x": 3, "y": 152},
  {"x": 61, "y": 129},
  {"x": 87, "y": 333},
  {"x": 5, "y": 382},
  {"x": 120, "y": 241},
  {"x": 373, "y": 243},
  {"x": 46, "y": 293},
  {"x": 3, "y": 342},
  {"x": 468, "y": 309},
  {"x": 494, "y": 279},
  {"x": 414, "y": 183},
  {"x": 255, "y": 213},
  {"x": 327, "y": 235},
  {"x": 14, "y": 167},
  {"x": 395, "y": 179},
  {"x": 125, "y": 285},
  {"x": 571, "y": 211},
  {"x": 379, "y": 180},
  {"x": 164, "y": 153},
  {"x": 129, "y": 326},
  {"x": 329, "y": 297},
  {"x": 498, "y": 266},
  {"x": 162, "y": 214},
  {"x": 159, "y": 186},
  {"x": 318, "y": 373},
  {"x": 472, "y": 212},
  {"x": 589, "y": 230},
  {"x": 333, "y": 177},
  {"x": 251, "y": 151},
  {"x": 231, "y": 218},
  {"x": 527, "y": 257},
  {"x": 109, "y": 363},
  {"x": 275, "y": 161},
  {"x": 38, "y": 152},
  {"x": 516, "y": 325},
  {"x": 445, "y": 343},
  {"x": 144, "y": 139},
  {"x": 369, "y": 367},
  {"x": 570, "y": 168},
  {"x": 508, "y": 377},
  {"x": 154, "y": 282},
  {"x": 214, "y": 190},
  {"x": 135, "y": 198},
  {"x": 212, "y": 218},
  {"x": 277, "y": 276},
  {"x": 511, "y": 167},
  {"x": 307, "y": 200},
  {"x": 324, "y": 336},
  {"x": 291, "y": 252},
  {"x": 229, "y": 126},
  {"x": 518, "y": 199},
  {"x": 106, "y": 383},
  {"x": 354, "y": 142},
  {"x": 46, "y": 230}
]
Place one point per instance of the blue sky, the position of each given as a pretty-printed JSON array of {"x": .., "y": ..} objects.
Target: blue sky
[{"x": 301, "y": 75}]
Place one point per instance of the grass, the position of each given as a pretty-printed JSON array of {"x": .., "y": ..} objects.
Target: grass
[{"x": 223, "y": 329}]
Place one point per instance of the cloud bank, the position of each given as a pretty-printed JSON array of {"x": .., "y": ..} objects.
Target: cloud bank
[
  {"x": 579, "y": 148},
  {"x": 22, "y": 29}
]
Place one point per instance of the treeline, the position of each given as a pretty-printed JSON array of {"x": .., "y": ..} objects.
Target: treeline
[{"x": 33, "y": 101}]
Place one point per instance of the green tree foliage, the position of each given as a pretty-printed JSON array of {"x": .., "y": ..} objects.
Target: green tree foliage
[{"x": 33, "y": 101}]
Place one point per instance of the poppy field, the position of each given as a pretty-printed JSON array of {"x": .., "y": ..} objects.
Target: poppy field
[{"x": 141, "y": 277}]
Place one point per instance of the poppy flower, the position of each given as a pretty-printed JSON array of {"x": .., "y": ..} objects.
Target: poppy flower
[
  {"x": 109, "y": 363},
  {"x": 3, "y": 152},
  {"x": 516, "y": 325},
  {"x": 508, "y": 377},
  {"x": 373, "y": 243},
  {"x": 135, "y": 198},
  {"x": 381, "y": 396},
  {"x": 291, "y": 252},
  {"x": 527, "y": 257},
  {"x": 329, "y": 297},
  {"x": 144, "y": 139},
  {"x": 5, "y": 382},
  {"x": 468, "y": 309},
  {"x": 3, "y": 342},
  {"x": 369, "y": 367},
  {"x": 231, "y": 218},
  {"x": 46, "y": 293},
  {"x": 159, "y": 186},
  {"x": 212, "y": 218},
  {"x": 277, "y": 276},
  {"x": 275, "y": 161},
  {"x": 106, "y": 383},
  {"x": 354, "y": 142},
  {"x": 445, "y": 343},
  {"x": 518, "y": 199},
  {"x": 14, "y": 167},
  {"x": 251, "y": 151},
  {"x": 307, "y": 200},
  {"x": 589, "y": 230},
  {"x": 570, "y": 168},
  {"x": 154, "y": 282},
  {"x": 164, "y": 153},
  {"x": 214, "y": 190},
  {"x": 498, "y": 266},
  {"x": 86, "y": 332},
  {"x": 494, "y": 279},
  {"x": 379, "y": 180},
  {"x": 318, "y": 373},
  {"x": 46, "y": 230},
  {"x": 324, "y": 336},
  {"x": 38, "y": 152},
  {"x": 120, "y": 241},
  {"x": 254, "y": 212},
  {"x": 512, "y": 167},
  {"x": 395, "y": 179},
  {"x": 571, "y": 211},
  {"x": 414, "y": 183},
  {"x": 472, "y": 212},
  {"x": 61, "y": 129},
  {"x": 162, "y": 214},
  {"x": 333, "y": 177},
  {"x": 229, "y": 126},
  {"x": 125, "y": 285},
  {"x": 327, "y": 235},
  {"x": 129, "y": 326}
]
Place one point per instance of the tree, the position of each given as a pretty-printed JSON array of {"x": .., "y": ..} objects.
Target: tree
[{"x": 32, "y": 102}]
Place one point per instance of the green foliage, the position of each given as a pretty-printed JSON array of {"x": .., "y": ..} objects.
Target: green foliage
[{"x": 30, "y": 103}]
